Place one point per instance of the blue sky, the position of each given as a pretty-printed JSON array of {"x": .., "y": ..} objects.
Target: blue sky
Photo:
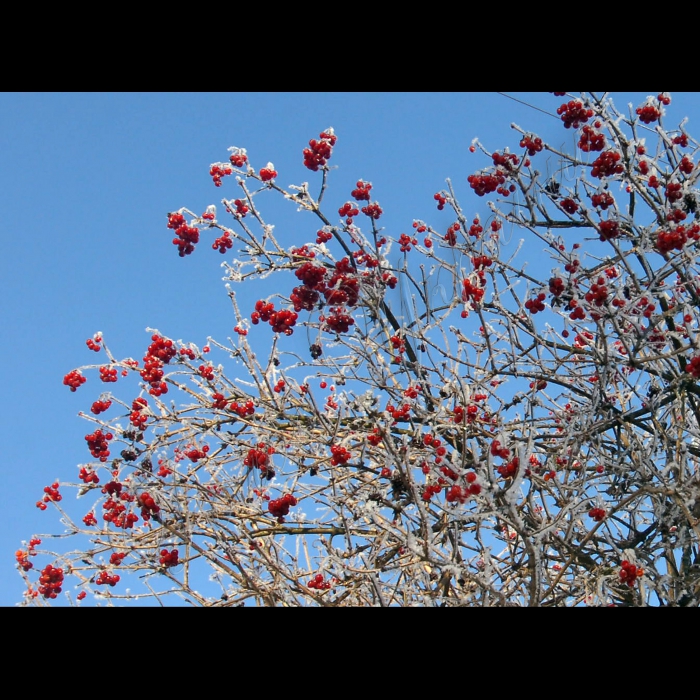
[{"x": 86, "y": 181}]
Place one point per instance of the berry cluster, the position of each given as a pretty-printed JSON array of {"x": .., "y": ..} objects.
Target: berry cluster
[
  {"x": 108, "y": 374},
  {"x": 597, "y": 514},
  {"x": 441, "y": 200},
  {"x": 238, "y": 156},
  {"x": 373, "y": 210},
  {"x": 243, "y": 410},
  {"x": 485, "y": 184},
  {"x": 148, "y": 505},
  {"x": 279, "y": 507},
  {"x": 97, "y": 444},
  {"x": 591, "y": 140},
  {"x": 223, "y": 243},
  {"x": 536, "y": 303},
  {"x": 206, "y": 371},
  {"x": 281, "y": 321},
  {"x": 405, "y": 241},
  {"x": 74, "y": 379},
  {"x": 340, "y": 455},
  {"x": 676, "y": 238},
  {"x": 348, "y": 210},
  {"x": 268, "y": 173},
  {"x": 137, "y": 418},
  {"x": 573, "y": 114},
  {"x": 648, "y": 113},
  {"x": 338, "y": 321},
  {"x": 169, "y": 558},
  {"x": 451, "y": 235},
  {"x": 323, "y": 236},
  {"x": 100, "y": 407},
  {"x": 629, "y": 573},
  {"x": 569, "y": 206},
  {"x": 195, "y": 455},
  {"x": 187, "y": 236},
  {"x": 607, "y": 164},
  {"x": 318, "y": 152},
  {"x": 104, "y": 578},
  {"x": 602, "y": 200},
  {"x": 318, "y": 583},
  {"x": 260, "y": 458},
  {"x": 94, "y": 343},
  {"x": 88, "y": 476},
  {"x": 533, "y": 144},
  {"x": 218, "y": 171},
  {"x": 50, "y": 581}
]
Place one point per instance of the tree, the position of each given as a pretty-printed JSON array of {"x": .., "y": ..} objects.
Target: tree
[{"x": 506, "y": 434}]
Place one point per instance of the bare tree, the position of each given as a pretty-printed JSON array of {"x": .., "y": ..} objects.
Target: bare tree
[{"x": 500, "y": 437}]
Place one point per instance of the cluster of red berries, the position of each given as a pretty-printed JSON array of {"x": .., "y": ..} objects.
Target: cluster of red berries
[
  {"x": 279, "y": 507},
  {"x": 607, "y": 164},
  {"x": 108, "y": 374},
  {"x": 348, "y": 210},
  {"x": 602, "y": 200},
  {"x": 88, "y": 476},
  {"x": 648, "y": 113},
  {"x": 573, "y": 114},
  {"x": 609, "y": 229},
  {"x": 238, "y": 156},
  {"x": 674, "y": 191},
  {"x": 536, "y": 303},
  {"x": 556, "y": 286},
  {"x": 441, "y": 200},
  {"x": 569, "y": 206},
  {"x": 137, "y": 417},
  {"x": 243, "y": 410},
  {"x": 472, "y": 292},
  {"x": 94, "y": 343},
  {"x": 430, "y": 490},
  {"x": 97, "y": 444},
  {"x": 323, "y": 236},
  {"x": 187, "y": 236},
  {"x": 361, "y": 193},
  {"x": 50, "y": 581},
  {"x": 462, "y": 415},
  {"x": 100, "y": 407},
  {"x": 597, "y": 514},
  {"x": 680, "y": 140},
  {"x": 629, "y": 573},
  {"x": 398, "y": 414},
  {"x": 195, "y": 455},
  {"x": 148, "y": 505},
  {"x": 260, "y": 458},
  {"x": 338, "y": 321},
  {"x": 340, "y": 455},
  {"x": 268, "y": 173},
  {"x": 318, "y": 152},
  {"x": 598, "y": 293},
  {"x": 485, "y": 184},
  {"x": 373, "y": 210},
  {"x": 74, "y": 379},
  {"x": 507, "y": 161},
  {"x": 104, "y": 578},
  {"x": 22, "y": 556},
  {"x": 206, "y": 371},
  {"x": 318, "y": 583},
  {"x": 169, "y": 558},
  {"x": 223, "y": 243},
  {"x": 676, "y": 238},
  {"x": 693, "y": 367},
  {"x": 451, "y": 235},
  {"x": 218, "y": 171},
  {"x": 405, "y": 241},
  {"x": 462, "y": 494},
  {"x": 279, "y": 387},
  {"x": 533, "y": 144},
  {"x": 591, "y": 140}
]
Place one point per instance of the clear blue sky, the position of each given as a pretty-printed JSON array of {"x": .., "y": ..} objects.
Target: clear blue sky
[{"x": 86, "y": 181}]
